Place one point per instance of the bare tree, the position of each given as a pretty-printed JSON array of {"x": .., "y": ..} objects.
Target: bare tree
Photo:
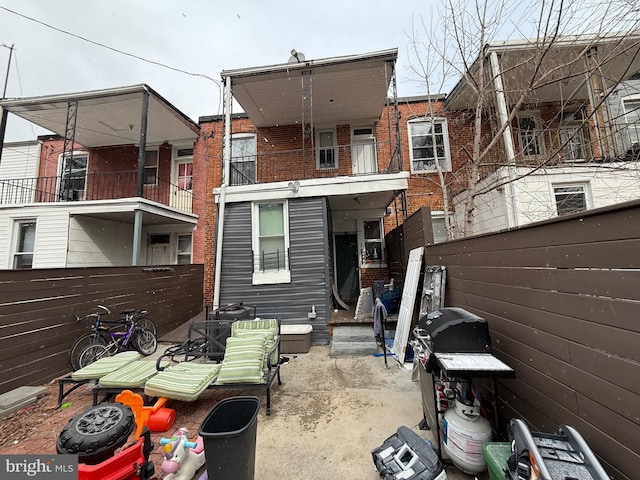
[{"x": 558, "y": 56}]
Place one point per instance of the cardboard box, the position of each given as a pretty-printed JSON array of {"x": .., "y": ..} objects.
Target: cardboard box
[{"x": 295, "y": 338}]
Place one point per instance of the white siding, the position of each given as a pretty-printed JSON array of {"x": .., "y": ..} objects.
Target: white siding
[
  {"x": 50, "y": 249},
  {"x": 97, "y": 243},
  {"x": 605, "y": 184},
  {"x": 20, "y": 160}
]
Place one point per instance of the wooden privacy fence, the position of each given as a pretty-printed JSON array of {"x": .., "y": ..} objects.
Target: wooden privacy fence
[
  {"x": 37, "y": 307},
  {"x": 562, "y": 299}
]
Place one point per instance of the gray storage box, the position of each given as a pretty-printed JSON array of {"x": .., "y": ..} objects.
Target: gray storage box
[{"x": 295, "y": 338}]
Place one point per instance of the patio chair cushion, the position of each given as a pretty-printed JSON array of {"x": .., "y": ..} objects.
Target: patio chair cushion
[
  {"x": 257, "y": 324},
  {"x": 270, "y": 341},
  {"x": 184, "y": 381},
  {"x": 132, "y": 375},
  {"x": 102, "y": 367},
  {"x": 243, "y": 360}
]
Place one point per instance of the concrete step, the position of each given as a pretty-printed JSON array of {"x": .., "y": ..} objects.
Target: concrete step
[
  {"x": 19, "y": 398},
  {"x": 353, "y": 340}
]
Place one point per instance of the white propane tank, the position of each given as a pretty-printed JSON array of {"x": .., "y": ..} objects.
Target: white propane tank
[{"x": 464, "y": 432}]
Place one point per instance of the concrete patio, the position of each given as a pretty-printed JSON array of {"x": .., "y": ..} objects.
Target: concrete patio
[{"x": 327, "y": 416}]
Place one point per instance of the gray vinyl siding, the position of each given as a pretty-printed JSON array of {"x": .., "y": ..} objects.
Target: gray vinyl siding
[
  {"x": 310, "y": 279},
  {"x": 623, "y": 136}
]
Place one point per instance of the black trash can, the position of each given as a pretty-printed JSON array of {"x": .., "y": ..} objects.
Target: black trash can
[{"x": 229, "y": 435}]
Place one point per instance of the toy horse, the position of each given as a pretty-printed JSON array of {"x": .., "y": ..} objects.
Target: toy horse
[{"x": 182, "y": 458}]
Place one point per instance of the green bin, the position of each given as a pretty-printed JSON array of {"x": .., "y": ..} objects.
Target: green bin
[{"x": 496, "y": 455}]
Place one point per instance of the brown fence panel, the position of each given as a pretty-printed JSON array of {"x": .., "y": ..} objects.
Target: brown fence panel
[
  {"x": 562, "y": 299},
  {"x": 37, "y": 307}
]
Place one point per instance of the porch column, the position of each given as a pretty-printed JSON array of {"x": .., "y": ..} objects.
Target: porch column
[
  {"x": 507, "y": 138},
  {"x": 3, "y": 127},
  {"x": 142, "y": 155},
  {"x": 599, "y": 102},
  {"x": 226, "y": 166}
]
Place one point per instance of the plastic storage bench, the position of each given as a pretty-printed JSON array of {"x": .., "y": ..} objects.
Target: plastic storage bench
[{"x": 295, "y": 338}]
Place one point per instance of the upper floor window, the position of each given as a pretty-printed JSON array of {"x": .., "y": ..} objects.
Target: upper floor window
[
  {"x": 530, "y": 134},
  {"x": 270, "y": 243},
  {"x": 429, "y": 139},
  {"x": 243, "y": 159},
  {"x": 151, "y": 168},
  {"x": 570, "y": 199},
  {"x": 327, "y": 150},
  {"x": 632, "y": 117},
  {"x": 73, "y": 176},
  {"x": 24, "y": 243}
]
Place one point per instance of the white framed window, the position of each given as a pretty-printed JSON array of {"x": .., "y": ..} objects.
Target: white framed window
[
  {"x": 327, "y": 150},
  {"x": 151, "y": 168},
  {"x": 73, "y": 176},
  {"x": 429, "y": 140},
  {"x": 184, "y": 249},
  {"x": 243, "y": 159},
  {"x": 270, "y": 242},
  {"x": 632, "y": 118},
  {"x": 570, "y": 198},
  {"x": 24, "y": 241},
  {"x": 530, "y": 134},
  {"x": 372, "y": 253}
]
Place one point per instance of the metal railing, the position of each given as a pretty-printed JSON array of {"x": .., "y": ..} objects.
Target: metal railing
[
  {"x": 283, "y": 166},
  {"x": 92, "y": 186},
  {"x": 270, "y": 261}
]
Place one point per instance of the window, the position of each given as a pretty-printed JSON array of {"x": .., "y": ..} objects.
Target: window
[
  {"x": 530, "y": 135},
  {"x": 243, "y": 159},
  {"x": 632, "y": 117},
  {"x": 270, "y": 243},
  {"x": 373, "y": 252},
  {"x": 574, "y": 133},
  {"x": 327, "y": 150},
  {"x": 24, "y": 243},
  {"x": 151, "y": 168},
  {"x": 184, "y": 249},
  {"x": 429, "y": 144},
  {"x": 570, "y": 199},
  {"x": 73, "y": 177}
]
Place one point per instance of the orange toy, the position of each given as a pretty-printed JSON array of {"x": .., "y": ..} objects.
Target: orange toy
[{"x": 156, "y": 417}]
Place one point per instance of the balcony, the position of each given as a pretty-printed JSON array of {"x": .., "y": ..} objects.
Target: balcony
[
  {"x": 90, "y": 187},
  {"x": 326, "y": 162}
]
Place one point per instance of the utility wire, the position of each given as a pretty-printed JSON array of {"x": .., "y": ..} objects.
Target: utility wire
[{"x": 202, "y": 75}]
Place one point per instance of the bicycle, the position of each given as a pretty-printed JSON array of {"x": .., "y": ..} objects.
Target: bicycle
[{"x": 139, "y": 332}]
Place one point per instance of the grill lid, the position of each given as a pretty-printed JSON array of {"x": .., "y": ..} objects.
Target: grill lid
[{"x": 453, "y": 330}]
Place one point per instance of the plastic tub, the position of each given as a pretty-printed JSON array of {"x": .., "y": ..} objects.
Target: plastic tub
[
  {"x": 229, "y": 436},
  {"x": 496, "y": 455}
]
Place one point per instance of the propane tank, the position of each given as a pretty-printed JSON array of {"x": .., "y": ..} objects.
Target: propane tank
[{"x": 464, "y": 432}]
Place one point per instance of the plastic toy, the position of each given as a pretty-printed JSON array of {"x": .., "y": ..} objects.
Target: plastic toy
[
  {"x": 132, "y": 463},
  {"x": 183, "y": 458},
  {"x": 156, "y": 417}
]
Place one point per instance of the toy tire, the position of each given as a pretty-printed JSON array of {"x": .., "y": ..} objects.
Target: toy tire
[{"x": 94, "y": 434}]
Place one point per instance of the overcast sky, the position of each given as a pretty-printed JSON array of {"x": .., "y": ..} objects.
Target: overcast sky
[
  {"x": 198, "y": 36},
  {"x": 201, "y": 37}
]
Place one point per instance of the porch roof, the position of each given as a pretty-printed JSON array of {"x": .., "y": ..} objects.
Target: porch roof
[
  {"x": 345, "y": 88},
  {"x": 562, "y": 75},
  {"x": 107, "y": 117}
]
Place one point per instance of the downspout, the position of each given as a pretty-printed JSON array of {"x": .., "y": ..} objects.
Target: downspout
[
  {"x": 4, "y": 112},
  {"x": 226, "y": 167},
  {"x": 507, "y": 138},
  {"x": 142, "y": 155}
]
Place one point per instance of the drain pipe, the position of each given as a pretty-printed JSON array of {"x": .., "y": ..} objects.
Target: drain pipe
[{"x": 226, "y": 162}]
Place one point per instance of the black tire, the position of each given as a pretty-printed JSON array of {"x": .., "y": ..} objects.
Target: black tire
[
  {"x": 145, "y": 342},
  {"x": 94, "y": 434},
  {"x": 81, "y": 344},
  {"x": 91, "y": 354},
  {"x": 147, "y": 324}
]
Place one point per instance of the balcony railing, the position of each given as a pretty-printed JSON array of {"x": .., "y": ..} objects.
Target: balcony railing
[
  {"x": 283, "y": 166},
  {"x": 92, "y": 186}
]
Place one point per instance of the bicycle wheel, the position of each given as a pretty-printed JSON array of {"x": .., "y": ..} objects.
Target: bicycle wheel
[
  {"x": 91, "y": 354},
  {"x": 147, "y": 324},
  {"x": 144, "y": 341},
  {"x": 81, "y": 344}
]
